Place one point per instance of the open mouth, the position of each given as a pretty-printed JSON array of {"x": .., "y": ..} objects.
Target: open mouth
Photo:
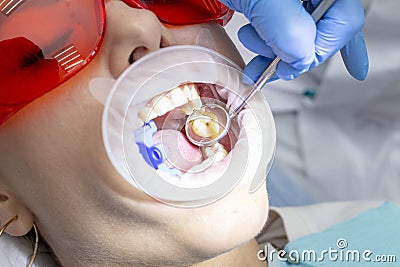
[
  {"x": 169, "y": 111},
  {"x": 144, "y": 137}
]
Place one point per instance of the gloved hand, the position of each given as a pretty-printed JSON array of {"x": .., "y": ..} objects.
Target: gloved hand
[{"x": 285, "y": 29}]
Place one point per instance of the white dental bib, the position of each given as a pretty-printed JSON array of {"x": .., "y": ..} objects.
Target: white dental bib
[{"x": 164, "y": 70}]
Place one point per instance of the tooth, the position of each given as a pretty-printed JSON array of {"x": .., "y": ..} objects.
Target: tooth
[
  {"x": 185, "y": 96},
  {"x": 140, "y": 123},
  {"x": 193, "y": 97},
  {"x": 190, "y": 107},
  {"x": 206, "y": 125},
  {"x": 186, "y": 90},
  {"x": 191, "y": 92},
  {"x": 147, "y": 113},
  {"x": 178, "y": 98},
  {"x": 217, "y": 150},
  {"x": 162, "y": 104}
]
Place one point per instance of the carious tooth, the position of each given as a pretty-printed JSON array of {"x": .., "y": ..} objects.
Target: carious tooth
[
  {"x": 147, "y": 113},
  {"x": 191, "y": 106},
  {"x": 162, "y": 104},
  {"x": 178, "y": 98},
  {"x": 217, "y": 151},
  {"x": 206, "y": 125}
]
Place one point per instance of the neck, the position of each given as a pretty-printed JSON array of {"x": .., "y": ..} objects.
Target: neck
[{"x": 245, "y": 255}]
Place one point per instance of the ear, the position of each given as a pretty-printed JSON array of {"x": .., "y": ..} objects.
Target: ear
[{"x": 9, "y": 207}]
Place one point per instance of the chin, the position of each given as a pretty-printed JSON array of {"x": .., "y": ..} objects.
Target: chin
[{"x": 232, "y": 222}]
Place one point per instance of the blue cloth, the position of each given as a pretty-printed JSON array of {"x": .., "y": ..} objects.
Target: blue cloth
[{"x": 374, "y": 235}]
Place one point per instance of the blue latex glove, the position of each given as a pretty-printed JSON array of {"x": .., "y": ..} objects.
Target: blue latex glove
[{"x": 285, "y": 29}]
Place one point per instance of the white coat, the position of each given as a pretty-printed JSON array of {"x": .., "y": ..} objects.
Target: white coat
[{"x": 345, "y": 143}]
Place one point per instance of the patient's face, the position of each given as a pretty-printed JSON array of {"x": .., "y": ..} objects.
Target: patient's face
[{"x": 54, "y": 162}]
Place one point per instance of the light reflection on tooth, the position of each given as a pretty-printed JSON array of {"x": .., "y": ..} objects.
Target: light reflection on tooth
[
  {"x": 187, "y": 91},
  {"x": 178, "y": 98},
  {"x": 162, "y": 104},
  {"x": 193, "y": 92}
]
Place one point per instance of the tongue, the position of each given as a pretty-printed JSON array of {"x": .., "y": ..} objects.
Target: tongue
[{"x": 181, "y": 154}]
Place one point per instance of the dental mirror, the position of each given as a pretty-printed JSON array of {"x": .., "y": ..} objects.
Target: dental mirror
[
  {"x": 207, "y": 125},
  {"x": 211, "y": 122}
]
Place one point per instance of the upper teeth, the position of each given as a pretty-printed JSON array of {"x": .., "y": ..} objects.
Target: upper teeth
[
  {"x": 147, "y": 113},
  {"x": 195, "y": 101},
  {"x": 185, "y": 96},
  {"x": 177, "y": 97}
]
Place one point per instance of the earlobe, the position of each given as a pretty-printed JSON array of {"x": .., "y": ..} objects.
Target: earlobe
[{"x": 10, "y": 207}]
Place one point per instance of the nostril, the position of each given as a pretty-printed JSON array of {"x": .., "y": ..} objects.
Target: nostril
[
  {"x": 141, "y": 51},
  {"x": 137, "y": 53},
  {"x": 130, "y": 59}
]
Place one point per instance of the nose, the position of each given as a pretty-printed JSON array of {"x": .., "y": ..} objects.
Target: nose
[{"x": 130, "y": 34}]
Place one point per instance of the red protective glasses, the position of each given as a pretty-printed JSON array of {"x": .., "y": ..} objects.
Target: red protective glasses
[{"x": 45, "y": 42}]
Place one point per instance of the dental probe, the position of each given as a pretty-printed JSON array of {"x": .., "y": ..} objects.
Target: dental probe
[
  {"x": 271, "y": 69},
  {"x": 225, "y": 119}
]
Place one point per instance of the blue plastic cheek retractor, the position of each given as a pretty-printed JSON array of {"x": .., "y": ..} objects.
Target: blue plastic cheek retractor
[{"x": 153, "y": 154}]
